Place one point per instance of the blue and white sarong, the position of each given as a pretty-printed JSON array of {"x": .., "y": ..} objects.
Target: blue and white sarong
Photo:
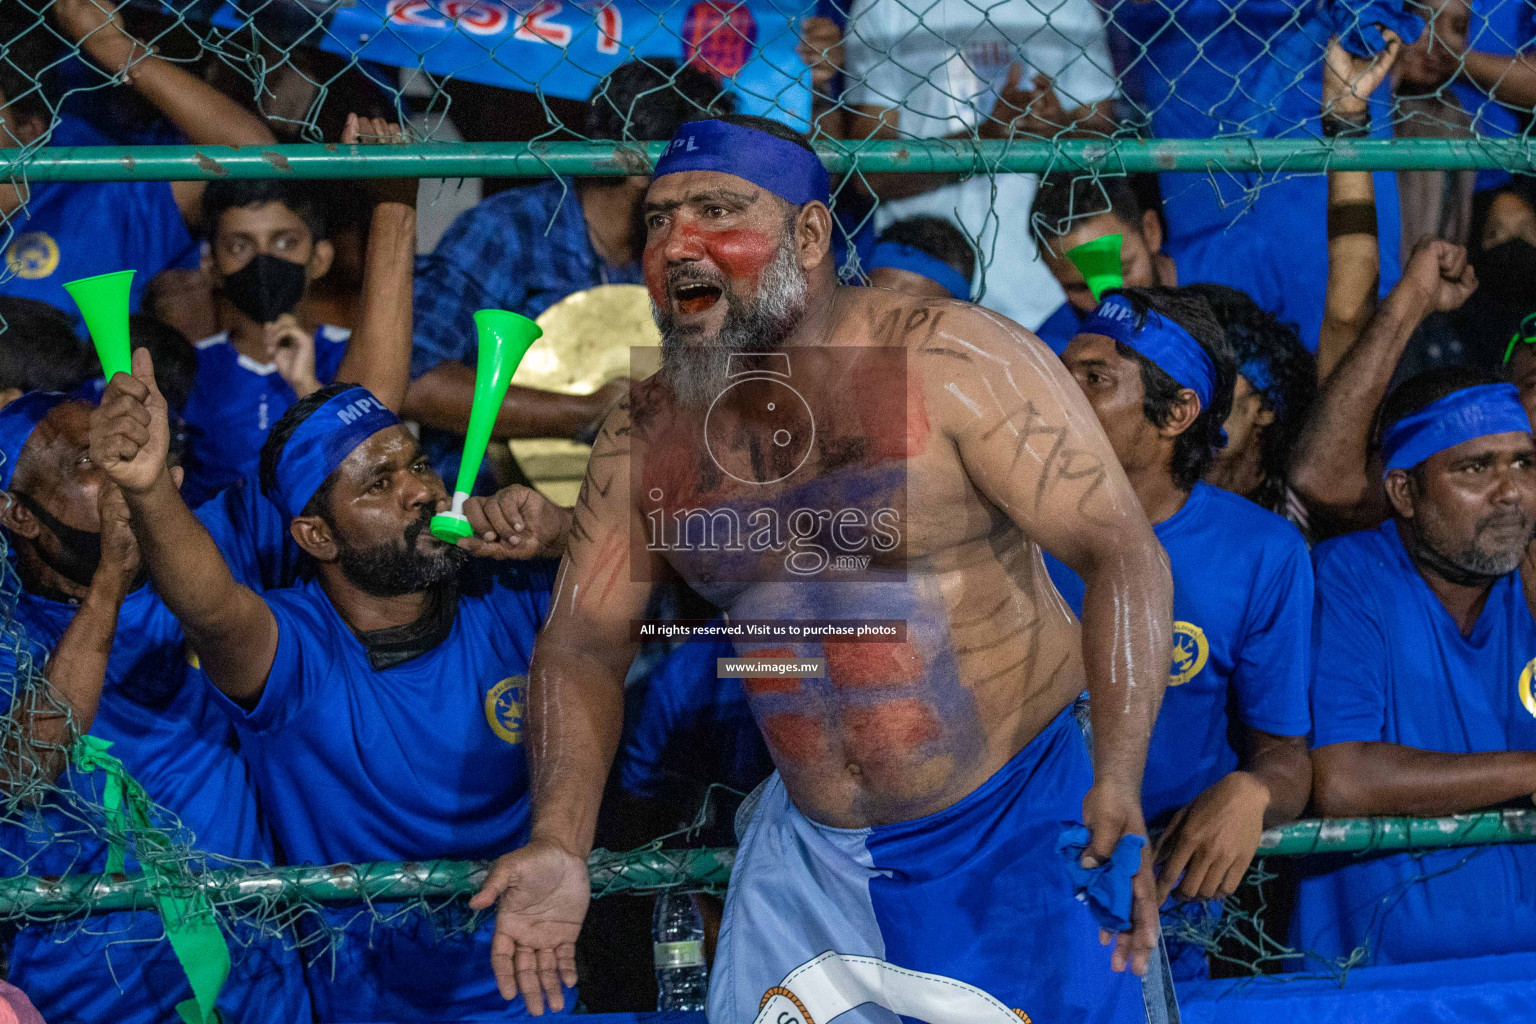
[{"x": 965, "y": 916}]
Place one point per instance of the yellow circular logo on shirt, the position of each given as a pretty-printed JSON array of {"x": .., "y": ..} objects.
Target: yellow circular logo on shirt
[
  {"x": 505, "y": 709},
  {"x": 1190, "y": 653},
  {"x": 1527, "y": 687},
  {"x": 32, "y": 255}
]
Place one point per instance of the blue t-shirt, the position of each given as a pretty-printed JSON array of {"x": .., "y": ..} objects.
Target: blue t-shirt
[
  {"x": 1243, "y": 268},
  {"x": 1242, "y": 609},
  {"x": 252, "y": 535},
  {"x": 681, "y": 723},
  {"x": 235, "y": 401},
  {"x": 1209, "y": 68},
  {"x": 69, "y": 230},
  {"x": 419, "y": 761},
  {"x": 1391, "y": 666}
]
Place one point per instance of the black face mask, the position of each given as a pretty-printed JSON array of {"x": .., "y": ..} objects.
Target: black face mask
[
  {"x": 266, "y": 288},
  {"x": 79, "y": 550},
  {"x": 1506, "y": 274}
]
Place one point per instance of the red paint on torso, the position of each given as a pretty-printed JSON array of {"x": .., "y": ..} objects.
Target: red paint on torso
[
  {"x": 891, "y": 729},
  {"x": 797, "y": 738},
  {"x": 898, "y": 430},
  {"x": 771, "y": 684},
  {"x": 873, "y": 664}
]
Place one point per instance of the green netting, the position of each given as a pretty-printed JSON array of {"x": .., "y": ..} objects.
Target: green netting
[{"x": 1226, "y": 91}]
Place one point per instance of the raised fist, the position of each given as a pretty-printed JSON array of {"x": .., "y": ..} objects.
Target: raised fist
[{"x": 130, "y": 431}]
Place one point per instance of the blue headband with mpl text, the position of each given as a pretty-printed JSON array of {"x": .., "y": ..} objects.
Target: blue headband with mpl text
[
  {"x": 1477, "y": 411},
  {"x": 1171, "y": 347},
  {"x": 784, "y": 168},
  {"x": 899, "y": 256},
  {"x": 322, "y": 442}
]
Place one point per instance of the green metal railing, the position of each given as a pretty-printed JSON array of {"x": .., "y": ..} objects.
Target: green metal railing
[
  {"x": 1360, "y": 835},
  {"x": 37, "y": 898},
  {"x": 61, "y": 896},
  {"x": 540, "y": 159}
]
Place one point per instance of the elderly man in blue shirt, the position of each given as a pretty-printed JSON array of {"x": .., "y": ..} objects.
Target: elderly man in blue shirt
[
  {"x": 1424, "y": 650},
  {"x": 526, "y": 249}
]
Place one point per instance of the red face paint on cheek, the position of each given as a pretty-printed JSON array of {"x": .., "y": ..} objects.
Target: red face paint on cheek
[
  {"x": 741, "y": 254},
  {"x": 654, "y": 266}
]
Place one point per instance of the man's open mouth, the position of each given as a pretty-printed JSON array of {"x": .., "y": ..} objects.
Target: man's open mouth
[{"x": 695, "y": 297}]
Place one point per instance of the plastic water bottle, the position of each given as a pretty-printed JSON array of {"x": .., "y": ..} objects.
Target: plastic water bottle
[{"x": 677, "y": 934}]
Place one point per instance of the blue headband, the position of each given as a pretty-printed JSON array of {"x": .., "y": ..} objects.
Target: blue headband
[
  {"x": 1171, "y": 347},
  {"x": 1460, "y": 416},
  {"x": 778, "y": 165},
  {"x": 1258, "y": 373},
  {"x": 898, "y": 256},
  {"x": 17, "y": 421},
  {"x": 323, "y": 442}
]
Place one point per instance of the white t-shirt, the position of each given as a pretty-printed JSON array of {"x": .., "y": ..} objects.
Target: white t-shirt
[{"x": 941, "y": 67}]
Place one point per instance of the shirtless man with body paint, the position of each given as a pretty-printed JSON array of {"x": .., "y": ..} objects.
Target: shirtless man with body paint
[{"x": 906, "y": 849}]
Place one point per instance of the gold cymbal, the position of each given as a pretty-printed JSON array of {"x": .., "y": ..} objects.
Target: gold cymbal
[{"x": 590, "y": 338}]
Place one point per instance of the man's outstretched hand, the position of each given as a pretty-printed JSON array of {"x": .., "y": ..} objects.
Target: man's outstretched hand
[
  {"x": 130, "y": 430},
  {"x": 541, "y": 894},
  {"x": 1111, "y": 812}
]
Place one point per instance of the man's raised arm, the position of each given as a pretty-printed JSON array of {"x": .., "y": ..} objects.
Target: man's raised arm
[
  {"x": 1030, "y": 442},
  {"x": 379, "y": 351},
  {"x": 205, "y": 115},
  {"x": 229, "y": 626},
  {"x": 1330, "y": 467},
  {"x": 575, "y": 710}
]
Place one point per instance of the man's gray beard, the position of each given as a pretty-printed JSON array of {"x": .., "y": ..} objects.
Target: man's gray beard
[
  {"x": 1474, "y": 558},
  {"x": 698, "y": 373}
]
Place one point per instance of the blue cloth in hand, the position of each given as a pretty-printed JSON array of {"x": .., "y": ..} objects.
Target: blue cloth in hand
[
  {"x": 1107, "y": 888},
  {"x": 1358, "y": 23}
]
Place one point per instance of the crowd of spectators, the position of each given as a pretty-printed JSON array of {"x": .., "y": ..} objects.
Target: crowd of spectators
[{"x": 1354, "y": 635}]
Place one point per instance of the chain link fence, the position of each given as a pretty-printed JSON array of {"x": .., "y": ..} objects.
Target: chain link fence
[{"x": 1223, "y": 99}]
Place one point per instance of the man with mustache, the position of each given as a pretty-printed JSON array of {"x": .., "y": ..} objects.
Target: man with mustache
[
  {"x": 380, "y": 704},
  {"x": 1422, "y": 692},
  {"x": 929, "y": 770}
]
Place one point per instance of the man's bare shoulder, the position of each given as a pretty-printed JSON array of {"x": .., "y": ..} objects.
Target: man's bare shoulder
[{"x": 935, "y": 328}]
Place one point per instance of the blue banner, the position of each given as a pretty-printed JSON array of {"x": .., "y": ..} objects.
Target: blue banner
[{"x": 563, "y": 47}]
